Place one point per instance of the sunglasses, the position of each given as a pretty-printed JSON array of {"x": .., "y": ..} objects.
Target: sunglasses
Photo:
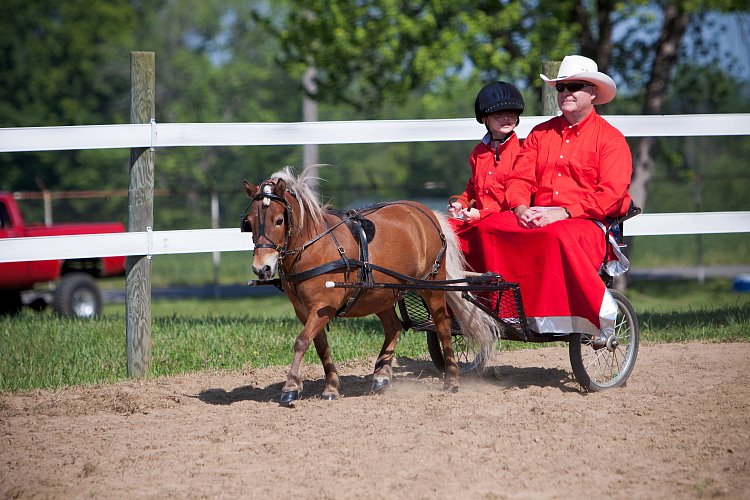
[{"x": 571, "y": 87}]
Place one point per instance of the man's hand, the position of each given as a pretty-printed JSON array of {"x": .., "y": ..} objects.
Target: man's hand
[{"x": 539, "y": 216}]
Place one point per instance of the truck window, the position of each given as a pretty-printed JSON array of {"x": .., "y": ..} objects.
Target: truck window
[{"x": 4, "y": 217}]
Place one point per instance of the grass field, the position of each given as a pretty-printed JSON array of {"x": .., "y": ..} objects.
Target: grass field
[{"x": 41, "y": 350}]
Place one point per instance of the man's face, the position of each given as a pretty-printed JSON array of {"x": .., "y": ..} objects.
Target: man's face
[{"x": 575, "y": 97}]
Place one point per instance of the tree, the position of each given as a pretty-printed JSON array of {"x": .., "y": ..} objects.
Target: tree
[
  {"x": 66, "y": 62},
  {"x": 369, "y": 54},
  {"x": 61, "y": 64}
]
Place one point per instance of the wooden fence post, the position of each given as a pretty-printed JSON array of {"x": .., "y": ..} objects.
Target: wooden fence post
[
  {"x": 140, "y": 218},
  {"x": 549, "y": 94}
]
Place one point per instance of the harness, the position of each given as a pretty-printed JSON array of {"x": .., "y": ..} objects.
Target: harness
[{"x": 354, "y": 220}]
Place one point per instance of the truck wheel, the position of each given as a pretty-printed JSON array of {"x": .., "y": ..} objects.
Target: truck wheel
[
  {"x": 10, "y": 302},
  {"x": 77, "y": 295}
]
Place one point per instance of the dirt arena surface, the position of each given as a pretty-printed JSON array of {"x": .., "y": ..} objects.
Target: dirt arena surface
[{"x": 680, "y": 429}]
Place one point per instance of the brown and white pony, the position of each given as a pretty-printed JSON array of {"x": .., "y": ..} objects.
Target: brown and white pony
[{"x": 310, "y": 245}]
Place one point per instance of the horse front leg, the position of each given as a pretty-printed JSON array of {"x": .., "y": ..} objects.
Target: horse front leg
[
  {"x": 314, "y": 324},
  {"x": 333, "y": 384},
  {"x": 442, "y": 320},
  {"x": 381, "y": 378}
]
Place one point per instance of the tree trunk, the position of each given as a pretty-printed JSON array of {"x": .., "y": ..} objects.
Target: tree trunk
[{"x": 673, "y": 28}]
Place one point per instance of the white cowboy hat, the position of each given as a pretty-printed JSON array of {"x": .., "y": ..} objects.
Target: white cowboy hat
[{"x": 585, "y": 69}]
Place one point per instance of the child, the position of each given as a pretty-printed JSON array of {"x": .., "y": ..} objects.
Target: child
[{"x": 498, "y": 106}]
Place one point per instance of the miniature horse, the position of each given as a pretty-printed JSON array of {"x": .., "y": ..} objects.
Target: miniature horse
[{"x": 310, "y": 245}]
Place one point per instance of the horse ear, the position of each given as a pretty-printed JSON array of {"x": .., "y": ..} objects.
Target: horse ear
[
  {"x": 250, "y": 189},
  {"x": 279, "y": 188}
]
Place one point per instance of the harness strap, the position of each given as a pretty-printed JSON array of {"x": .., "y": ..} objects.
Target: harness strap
[
  {"x": 302, "y": 247},
  {"x": 365, "y": 273},
  {"x": 344, "y": 262}
]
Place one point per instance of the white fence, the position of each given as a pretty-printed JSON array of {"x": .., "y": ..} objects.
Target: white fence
[{"x": 352, "y": 132}]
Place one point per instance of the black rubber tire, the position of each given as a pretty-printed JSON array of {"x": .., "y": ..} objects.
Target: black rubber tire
[
  {"x": 468, "y": 359},
  {"x": 10, "y": 302},
  {"x": 77, "y": 295},
  {"x": 606, "y": 368}
]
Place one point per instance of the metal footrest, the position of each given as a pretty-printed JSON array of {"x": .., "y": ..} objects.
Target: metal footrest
[
  {"x": 501, "y": 300},
  {"x": 504, "y": 304}
]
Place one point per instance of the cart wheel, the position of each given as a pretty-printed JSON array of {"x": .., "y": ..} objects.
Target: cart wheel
[
  {"x": 607, "y": 367},
  {"x": 469, "y": 358}
]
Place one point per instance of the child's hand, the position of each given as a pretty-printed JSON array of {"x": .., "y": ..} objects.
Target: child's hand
[{"x": 456, "y": 210}]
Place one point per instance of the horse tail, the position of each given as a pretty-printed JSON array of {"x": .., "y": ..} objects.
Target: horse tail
[{"x": 480, "y": 329}]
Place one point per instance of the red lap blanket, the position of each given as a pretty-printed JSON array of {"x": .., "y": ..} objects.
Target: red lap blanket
[{"x": 556, "y": 266}]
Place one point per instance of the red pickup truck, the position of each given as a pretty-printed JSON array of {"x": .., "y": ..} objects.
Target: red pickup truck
[{"x": 69, "y": 285}]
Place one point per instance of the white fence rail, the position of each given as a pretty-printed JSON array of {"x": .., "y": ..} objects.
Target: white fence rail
[
  {"x": 334, "y": 132},
  {"x": 232, "y": 240},
  {"x": 351, "y": 132}
]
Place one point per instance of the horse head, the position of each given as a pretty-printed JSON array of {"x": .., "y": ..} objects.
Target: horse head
[{"x": 269, "y": 218}]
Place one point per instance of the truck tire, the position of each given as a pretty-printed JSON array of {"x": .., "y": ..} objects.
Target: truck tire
[
  {"x": 77, "y": 295},
  {"x": 10, "y": 302}
]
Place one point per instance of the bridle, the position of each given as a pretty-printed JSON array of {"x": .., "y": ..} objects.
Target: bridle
[{"x": 266, "y": 195}]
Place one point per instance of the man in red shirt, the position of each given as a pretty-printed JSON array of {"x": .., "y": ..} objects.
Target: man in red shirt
[
  {"x": 577, "y": 162},
  {"x": 573, "y": 172}
]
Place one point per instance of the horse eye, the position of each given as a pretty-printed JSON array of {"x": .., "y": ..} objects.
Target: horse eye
[
  {"x": 245, "y": 226},
  {"x": 279, "y": 221}
]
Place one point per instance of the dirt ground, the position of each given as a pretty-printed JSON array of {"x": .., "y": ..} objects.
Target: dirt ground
[{"x": 680, "y": 429}]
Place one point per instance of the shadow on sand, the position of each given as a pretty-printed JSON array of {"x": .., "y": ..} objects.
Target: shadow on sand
[{"x": 503, "y": 376}]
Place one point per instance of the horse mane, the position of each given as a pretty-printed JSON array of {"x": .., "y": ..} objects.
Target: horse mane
[{"x": 307, "y": 198}]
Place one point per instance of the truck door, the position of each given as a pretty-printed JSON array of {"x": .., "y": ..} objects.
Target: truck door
[{"x": 13, "y": 275}]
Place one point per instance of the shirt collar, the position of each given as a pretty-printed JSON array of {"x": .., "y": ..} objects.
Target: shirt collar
[
  {"x": 583, "y": 123},
  {"x": 488, "y": 138}
]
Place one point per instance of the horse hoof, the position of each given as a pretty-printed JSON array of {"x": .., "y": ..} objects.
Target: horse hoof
[
  {"x": 452, "y": 389},
  {"x": 380, "y": 385},
  {"x": 328, "y": 396},
  {"x": 287, "y": 398}
]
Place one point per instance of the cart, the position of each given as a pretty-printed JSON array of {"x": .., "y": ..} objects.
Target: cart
[{"x": 595, "y": 367}]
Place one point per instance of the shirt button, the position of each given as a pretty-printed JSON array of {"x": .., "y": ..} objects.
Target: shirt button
[
  {"x": 561, "y": 156},
  {"x": 489, "y": 173},
  {"x": 567, "y": 141},
  {"x": 557, "y": 192},
  {"x": 559, "y": 174}
]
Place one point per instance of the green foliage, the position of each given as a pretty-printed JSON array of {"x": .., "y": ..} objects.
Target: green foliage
[
  {"x": 62, "y": 63},
  {"x": 370, "y": 53}
]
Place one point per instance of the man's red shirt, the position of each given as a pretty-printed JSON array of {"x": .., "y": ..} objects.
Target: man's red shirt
[{"x": 585, "y": 168}]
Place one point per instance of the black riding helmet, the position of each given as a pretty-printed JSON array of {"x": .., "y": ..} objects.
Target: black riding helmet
[{"x": 497, "y": 96}]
